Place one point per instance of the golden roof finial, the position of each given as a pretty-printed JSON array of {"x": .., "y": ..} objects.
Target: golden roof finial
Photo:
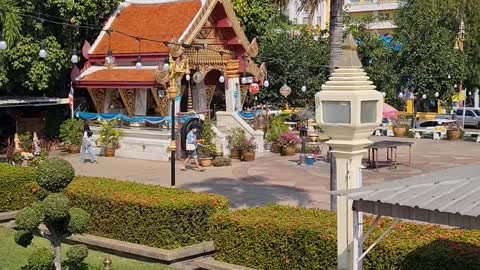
[{"x": 349, "y": 53}]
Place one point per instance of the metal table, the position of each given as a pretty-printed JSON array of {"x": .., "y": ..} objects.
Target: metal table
[{"x": 391, "y": 147}]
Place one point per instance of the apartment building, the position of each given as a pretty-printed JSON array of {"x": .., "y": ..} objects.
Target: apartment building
[
  {"x": 297, "y": 16},
  {"x": 381, "y": 10}
]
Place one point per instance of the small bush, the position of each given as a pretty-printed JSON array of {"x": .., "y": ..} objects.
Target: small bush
[
  {"x": 54, "y": 175},
  {"x": 76, "y": 254},
  {"x": 279, "y": 237},
  {"x": 29, "y": 218},
  {"x": 23, "y": 238},
  {"x": 40, "y": 259},
  {"x": 16, "y": 190},
  {"x": 148, "y": 215},
  {"x": 79, "y": 220},
  {"x": 55, "y": 206},
  {"x": 222, "y": 162}
]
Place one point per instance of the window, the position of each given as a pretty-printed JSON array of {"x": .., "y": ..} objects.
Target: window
[
  {"x": 319, "y": 20},
  {"x": 469, "y": 114},
  {"x": 336, "y": 112},
  {"x": 460, "y": 112},
  {"x": 294, "y": 21},
  {"x": 305, "y": 20},
  {"x": 368, "y": 112},
  {"x": 384, "y": 16}
]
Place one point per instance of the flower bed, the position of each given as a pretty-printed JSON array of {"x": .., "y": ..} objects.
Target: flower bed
[
  {"x": 16, "y": 184},
  {"x": 279, "y": 237},
  {"x": 148, "y": 215}
]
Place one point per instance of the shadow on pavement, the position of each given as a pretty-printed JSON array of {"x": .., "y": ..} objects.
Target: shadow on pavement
[{"x": 251, "y": 191}]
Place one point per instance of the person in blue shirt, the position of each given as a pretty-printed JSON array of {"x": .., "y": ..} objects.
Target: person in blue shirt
[{"x": 192, "y": 146}]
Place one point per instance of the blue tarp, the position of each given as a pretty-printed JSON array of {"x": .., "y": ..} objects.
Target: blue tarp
[
  {"x": 248, "y": 115},
  {"x": 388, "y": 43},
  {"x": 140, "y": 119}
]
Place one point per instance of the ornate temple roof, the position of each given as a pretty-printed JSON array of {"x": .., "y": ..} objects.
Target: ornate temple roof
[
  {"x": 119, "y": 77},
  {"x": 164, "y": 20}
]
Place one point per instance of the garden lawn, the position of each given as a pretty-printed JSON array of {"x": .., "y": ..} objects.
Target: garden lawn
[{"x": 13, "y": 256}]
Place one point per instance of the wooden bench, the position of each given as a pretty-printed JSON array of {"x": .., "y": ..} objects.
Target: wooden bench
[{"x": 473, "y": 134}]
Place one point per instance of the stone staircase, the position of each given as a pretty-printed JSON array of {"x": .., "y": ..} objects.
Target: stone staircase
[{"x": 138, "y": 143}]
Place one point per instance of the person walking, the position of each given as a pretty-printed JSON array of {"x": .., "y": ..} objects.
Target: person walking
[
  {"x": 87, "y": 145},
  {"x": 192, "y": 147}
]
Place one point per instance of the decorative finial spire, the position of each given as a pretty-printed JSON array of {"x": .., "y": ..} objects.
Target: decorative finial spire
[{"x": 350, "y": 57}]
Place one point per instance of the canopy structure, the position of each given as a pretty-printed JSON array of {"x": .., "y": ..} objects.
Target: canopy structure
[{"x": 389, "y": 112}]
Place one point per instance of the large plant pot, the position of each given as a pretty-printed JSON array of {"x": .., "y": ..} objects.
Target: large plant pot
[
  {"x": 206, "y": 162},
  {"x": 454, "y": 135},
  {"x": 276, "y": 148},
  {"x": 248, "y": 156},
  {"x": 400, "y": 131},
  {"x": 74, "y": 149},
  {"x": 234, "y": 154},
  {"x": 109, "y": 152},
  {"x": 288, "y": 151}
]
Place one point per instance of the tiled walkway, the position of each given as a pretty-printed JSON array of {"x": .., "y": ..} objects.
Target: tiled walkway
[{"x": 275, "y": 179}]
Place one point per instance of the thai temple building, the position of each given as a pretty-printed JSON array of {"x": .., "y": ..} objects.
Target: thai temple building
[{"x": 126, "y": 74}]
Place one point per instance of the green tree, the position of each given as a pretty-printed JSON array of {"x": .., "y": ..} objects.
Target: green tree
[
  {"x": 54, "y": 211},
  {"x": 21, "y": 69},
  {"x": 255, "y": 16},
  {"x": 294, "y": 57},
  {"x": 427, "y": 60}
]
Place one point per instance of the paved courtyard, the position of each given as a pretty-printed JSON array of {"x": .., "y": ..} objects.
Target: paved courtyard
[{"x": 280, "y": 180}]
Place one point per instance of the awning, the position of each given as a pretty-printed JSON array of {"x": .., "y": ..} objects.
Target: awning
[
  {"x": 8, "y": 102},
  {"x": 444, "y": 200},
  {"x": 117, "y": 77}
]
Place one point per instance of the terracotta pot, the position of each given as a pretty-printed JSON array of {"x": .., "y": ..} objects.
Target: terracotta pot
[
  {"x": 74, "y": 149},
  {"x": 399, "y": 131},
  {"x": 288, "y": 151},
  {"x": 454, "y": 135},
  {"x": 248, "y": 156},
  {"x": 276, "y": 148},
  {"x": 109, "y": 152},
  {"x": 234, "y": 154},
  {"x": 206, "y": 162}
]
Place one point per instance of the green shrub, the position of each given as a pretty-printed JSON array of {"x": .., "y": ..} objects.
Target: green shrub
[
  {"x": 279, "y": 237},
  {"x": 54, "y": 174},
  {"x": 71, "y": 131},
  {"x": 55, "y": 206},
  {"x": 40, "y": 259},
  {"x": 16, "y": 185},
  {"x": 23, "y": 238},
  {"x": 29, "y": 218},
  {"x": 76, "y": 254},
  {"x": 148, "y": 215},
  {"x": 79, "y": 220}
]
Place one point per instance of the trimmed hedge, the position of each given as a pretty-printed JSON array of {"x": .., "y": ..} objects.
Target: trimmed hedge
[
  {"x": 280, "y": 237},
  {"x": 149, "y": 215},
  {"x": 16, "y": 186}
]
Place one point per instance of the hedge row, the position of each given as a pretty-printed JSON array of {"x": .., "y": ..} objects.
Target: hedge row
[
  {"x": 149, "y": 215},
  {"x": 16, "y": 185},
  {"x": 279, "y": 237}
]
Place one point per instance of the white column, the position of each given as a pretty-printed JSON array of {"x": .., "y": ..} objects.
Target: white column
[
  {"x": 476, "y": 98},
  {"x": 232, "y": 94},
  {"x": 348, "y": 164},
  {"x": 141, "y": 102}
]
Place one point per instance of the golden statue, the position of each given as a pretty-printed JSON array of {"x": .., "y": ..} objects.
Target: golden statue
[{"x": 178, "y": 68}]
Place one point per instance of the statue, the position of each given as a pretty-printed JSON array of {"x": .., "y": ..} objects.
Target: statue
[
  {"x": 36, "y": 145},
  {"x": 16, "y": 140}
]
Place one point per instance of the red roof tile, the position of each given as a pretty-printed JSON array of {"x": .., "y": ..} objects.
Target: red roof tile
[{"x": 155, "y": 21}]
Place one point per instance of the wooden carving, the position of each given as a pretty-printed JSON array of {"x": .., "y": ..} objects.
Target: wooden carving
[
  {"x": 243, "y": 93},
  {"x": 98, "y": 99},
  {"x": 253, "y": 48},
  {"x": 210, "y": 90},
  {"x": 128, "y": 99}
]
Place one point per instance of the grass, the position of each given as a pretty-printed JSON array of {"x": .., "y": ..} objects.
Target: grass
[{"x": 13, "y": 256}]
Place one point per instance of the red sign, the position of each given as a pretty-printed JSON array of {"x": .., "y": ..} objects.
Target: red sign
[{"x": 254, "y": 88}]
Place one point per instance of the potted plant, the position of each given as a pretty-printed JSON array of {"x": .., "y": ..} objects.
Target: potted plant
[
  {"x": 235, "y": 138},
  {"x": 400, "y": 128},
  {"x": 71, "y": 133},
  {"x": 289, "y": 142},
  {"x": 454, "y": 131},
  {"x": 277, "y": 128},
  {"x": 208, "y": 149},
  {"x": 248, "y": 148},
  {"x": 109, "y": 138}
]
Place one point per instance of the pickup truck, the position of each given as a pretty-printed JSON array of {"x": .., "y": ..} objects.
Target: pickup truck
[{"x": 472, "y": 116}]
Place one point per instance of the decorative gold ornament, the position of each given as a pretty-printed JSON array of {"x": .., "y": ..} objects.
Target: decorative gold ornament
[
  {"x": 128, "y": 99},
  {"x": 98, "y": 99},
  {"x": 253, "y": 48},
  {"x": 285, "y": 90}
]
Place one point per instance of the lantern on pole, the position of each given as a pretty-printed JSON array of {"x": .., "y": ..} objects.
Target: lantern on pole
[
  {"x": 253, "y": 90},
  {"x": 285, "y": 91}
]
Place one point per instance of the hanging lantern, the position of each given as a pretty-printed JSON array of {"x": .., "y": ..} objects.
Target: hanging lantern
[
  {"x": 254, "y": 89},
  {"x": 285, "y": 90},
  {"x": 198, "y": 77}
]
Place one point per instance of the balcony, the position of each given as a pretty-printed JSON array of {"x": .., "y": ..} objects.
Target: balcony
[{"x": 370, "y": 6}]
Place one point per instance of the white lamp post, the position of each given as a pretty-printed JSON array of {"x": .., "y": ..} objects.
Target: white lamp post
[{"x": 348, "y": 110}]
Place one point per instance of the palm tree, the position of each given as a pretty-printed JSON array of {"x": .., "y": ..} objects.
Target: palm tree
[
  {"x": 10, "y": 21},
  {"x": 336, "y": 24}
]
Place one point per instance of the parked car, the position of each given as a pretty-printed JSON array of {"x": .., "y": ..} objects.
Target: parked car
[
  {"x": 472, "y": 116},
  {"x": 431, "y": 124}
]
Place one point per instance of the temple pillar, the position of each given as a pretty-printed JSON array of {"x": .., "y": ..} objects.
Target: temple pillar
[
  {"x": 200, "y": 97},
  {"x": 141, "y": 102},
  {"x": 232, "y": 90},
  {"x": 108, "y": 100}
]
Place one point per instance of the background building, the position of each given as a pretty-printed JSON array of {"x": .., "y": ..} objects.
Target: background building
[
  {"x": 381, "y": 10},
  {"x": 320, "y": 19}
]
